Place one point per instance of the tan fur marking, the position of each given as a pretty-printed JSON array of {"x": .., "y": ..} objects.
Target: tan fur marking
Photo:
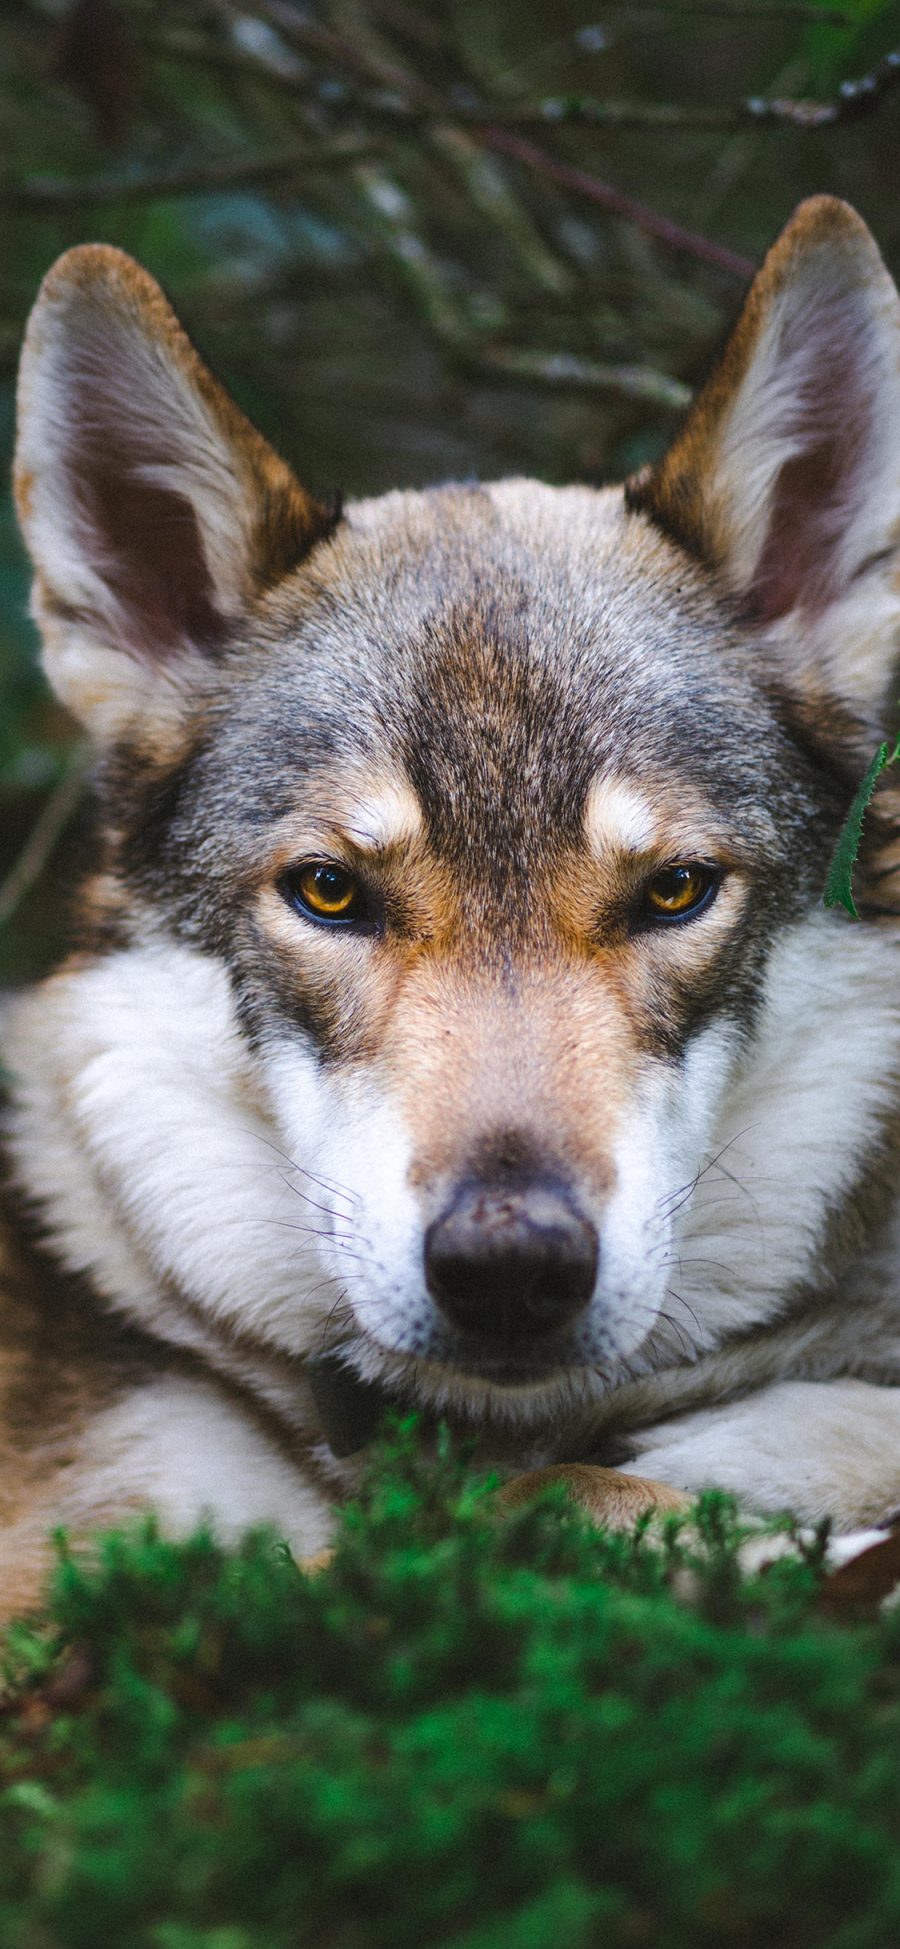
[
  {"x": 657, "y": 819},
  {"x": 389, "y": 816},
  {"x": 51, "y": 1388},
  {"x": 24, "y": 490},
  {"x": 619, "y": 815},
  {"x": 468, "y": 1065},
  {"x": 353, "y": 814}
]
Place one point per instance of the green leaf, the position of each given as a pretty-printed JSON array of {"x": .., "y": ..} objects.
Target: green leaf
[{"x": 839, "y": 885}]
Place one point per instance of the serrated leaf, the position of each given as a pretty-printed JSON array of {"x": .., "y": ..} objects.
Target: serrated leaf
[{"x": 839, "y": 884}]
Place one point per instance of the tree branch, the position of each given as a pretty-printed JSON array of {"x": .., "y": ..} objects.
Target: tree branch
[
  {"x": 853, "y": 98},
  {"x": 410, "y": 98},
  {"x": 413, "y": 98}
]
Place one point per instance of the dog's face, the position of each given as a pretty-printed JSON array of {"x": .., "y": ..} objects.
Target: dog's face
[
  {"x": 492, "y": 801},
  {"x": 482, "y": 841}
]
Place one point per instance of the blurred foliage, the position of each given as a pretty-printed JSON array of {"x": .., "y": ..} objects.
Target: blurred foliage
[
  {"x": 466, "y": 1733},
  {"x": 472, "y": 238}
]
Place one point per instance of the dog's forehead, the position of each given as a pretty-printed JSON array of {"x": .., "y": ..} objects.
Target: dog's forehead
[{"x": 499, "y": 649}]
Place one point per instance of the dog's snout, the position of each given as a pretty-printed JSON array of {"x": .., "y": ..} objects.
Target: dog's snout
[{"x": 511, "y": 1262}]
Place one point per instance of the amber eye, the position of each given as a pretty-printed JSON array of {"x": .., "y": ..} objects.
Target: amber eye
[
  {"x": 679, "y": 892},
  {"x": 325, "y": 891}
]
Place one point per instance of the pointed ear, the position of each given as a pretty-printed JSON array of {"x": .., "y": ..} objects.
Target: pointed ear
[
  {"x": 153, "y": 510},
  {"x": 785, "y": 479}
]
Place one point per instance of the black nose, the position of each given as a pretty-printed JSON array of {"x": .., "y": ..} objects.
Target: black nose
[{"x": 511, "y": 1262}]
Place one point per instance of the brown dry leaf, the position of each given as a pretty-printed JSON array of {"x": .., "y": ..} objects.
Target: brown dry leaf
[{"x": 864, "y": 1582}]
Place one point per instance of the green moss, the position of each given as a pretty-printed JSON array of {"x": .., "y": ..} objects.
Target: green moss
[{"x": 468, "y": 1732}]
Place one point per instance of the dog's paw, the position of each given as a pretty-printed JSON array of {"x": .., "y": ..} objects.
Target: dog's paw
[{"x": 611, "y": 1499}]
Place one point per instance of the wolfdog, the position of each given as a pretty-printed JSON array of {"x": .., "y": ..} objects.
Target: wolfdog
[{"x": 452, "y": 1017}]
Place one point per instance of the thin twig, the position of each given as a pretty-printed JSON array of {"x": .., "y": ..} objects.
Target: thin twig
[
  {"x": 248, "y": 63},
  {"x": 581, "y": 183},
  {"x": 314, "y": 39},
  {"x": 561, "y": 369},
  {"x": 601, "y": 38},
  {"x": 738, "y": 10},
  {"x": 413, "y": 97},
  {"x": 54, "y": 192},
  {"x": 403, "y": 94},
  {"x": 853, "y": 98},
  {"x": 622, "y": 114},
  {"x": 44, "y": 835},
  {"x": 394, "y": 215},
  {"x": 484, "y": 178}
]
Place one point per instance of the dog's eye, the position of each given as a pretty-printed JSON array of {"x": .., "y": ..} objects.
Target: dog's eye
[
  {"x": 679, "y": 892},
  {"x": 325, "y": 891}
]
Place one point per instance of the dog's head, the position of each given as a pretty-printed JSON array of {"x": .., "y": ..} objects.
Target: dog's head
[{"x": 492, "y": 801}]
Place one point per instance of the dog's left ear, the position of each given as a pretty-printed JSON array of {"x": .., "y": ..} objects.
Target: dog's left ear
[{"x": 785, "y": 479}]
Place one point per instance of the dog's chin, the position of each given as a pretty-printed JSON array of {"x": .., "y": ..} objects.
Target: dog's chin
[{"x": 478, "y": 1381}]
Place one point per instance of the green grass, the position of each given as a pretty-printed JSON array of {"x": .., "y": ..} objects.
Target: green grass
[{"x": 468, "y": 1732}]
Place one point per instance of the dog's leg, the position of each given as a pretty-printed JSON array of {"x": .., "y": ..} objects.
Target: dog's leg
[
  {"x": 610, "y": 1497},
  {"x": 827, "y": 1448}
]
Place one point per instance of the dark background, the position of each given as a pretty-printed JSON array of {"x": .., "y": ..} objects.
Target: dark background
[{"x": 406, "y": 238}]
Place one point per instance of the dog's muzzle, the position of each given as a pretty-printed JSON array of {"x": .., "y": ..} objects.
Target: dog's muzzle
[
  {"x": 510, "y": 1268},
  {"x": 511, "y": 1265}
]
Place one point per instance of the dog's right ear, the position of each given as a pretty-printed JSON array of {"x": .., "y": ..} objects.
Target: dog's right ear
[
  {"x": 785, "y": 479},
  {"x": 153, "y": 510}
]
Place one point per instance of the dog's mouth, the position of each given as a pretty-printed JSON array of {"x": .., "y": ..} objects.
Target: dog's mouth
[
  {"x": 508, "y": 1368},
  {"x": 356, "y": 1384},
  {"x": 505, "y": 1363}
]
